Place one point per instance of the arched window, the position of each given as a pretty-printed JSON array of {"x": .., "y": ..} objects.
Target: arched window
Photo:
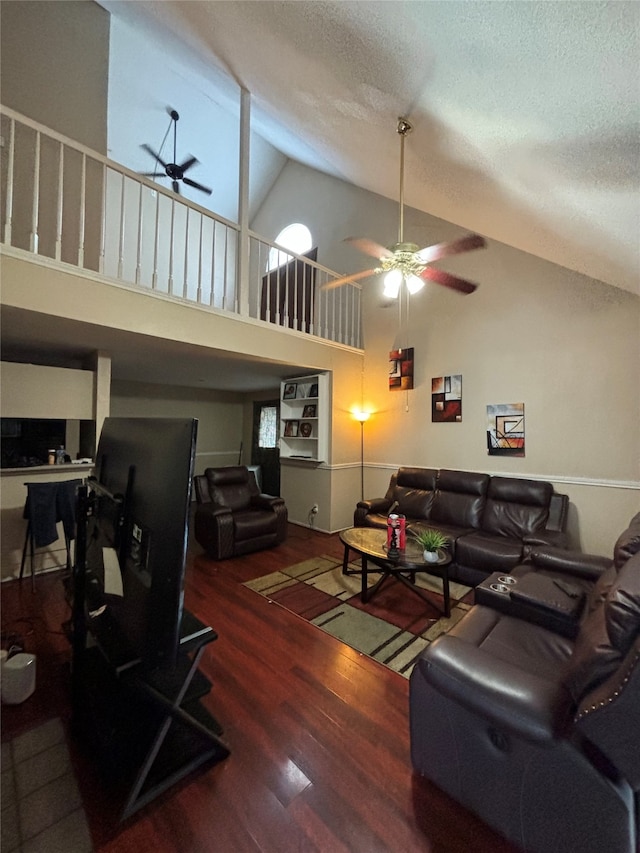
[{"x": 295, "y": 237}]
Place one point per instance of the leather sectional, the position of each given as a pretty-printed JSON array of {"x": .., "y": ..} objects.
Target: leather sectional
[
  {"x": 538, "y": 731},
  {"x": 493, "y": 523}
]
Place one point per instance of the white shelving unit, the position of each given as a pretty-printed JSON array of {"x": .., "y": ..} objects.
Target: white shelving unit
[{"x": 304, "y": 418}]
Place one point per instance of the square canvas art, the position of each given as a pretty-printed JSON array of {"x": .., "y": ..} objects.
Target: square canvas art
[
  {"x": 505, "y": 429},
  {"x": 446, "y": 399}
]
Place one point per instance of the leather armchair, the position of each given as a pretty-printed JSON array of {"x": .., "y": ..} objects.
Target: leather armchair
[
  {"x": 538, "y": 733},
  {"x": 232, "y": 517}
]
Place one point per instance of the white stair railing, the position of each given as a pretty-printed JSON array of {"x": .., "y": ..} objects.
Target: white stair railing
[{"x": 65, "y": 202}]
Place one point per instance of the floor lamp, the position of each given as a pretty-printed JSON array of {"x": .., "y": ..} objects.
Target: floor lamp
[{"x": 362, "y": 417}]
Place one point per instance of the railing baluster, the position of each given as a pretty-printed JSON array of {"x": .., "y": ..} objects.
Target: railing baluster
[
  {"x": 171, "y": 239},
  {"x": 156, "y": 241},
  {"x": 139, "y": 241},
  {"x": 33, "y": 239},
  {"x": 82, "y": 216},
  {"x": 185, "y": 274},
  {"x": 212, "y": 293},
  {"x": 225, "y": 286},
  {"x": 8, "y": 222},
  {"x": 199, "y": 290},
  {"x": 122, "y": 230},
  {"x": 103, "y": 224},
  {"x": 58, "y": 245}
]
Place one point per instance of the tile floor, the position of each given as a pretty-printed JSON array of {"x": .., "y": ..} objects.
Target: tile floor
[{"x": 41, "y": 806}]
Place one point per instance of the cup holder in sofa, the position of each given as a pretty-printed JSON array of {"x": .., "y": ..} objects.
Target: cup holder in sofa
[{"x": 500, "y": 587}]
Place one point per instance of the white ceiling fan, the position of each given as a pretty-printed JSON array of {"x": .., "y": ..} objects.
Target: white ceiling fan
[{"x": 407, "y": 262}]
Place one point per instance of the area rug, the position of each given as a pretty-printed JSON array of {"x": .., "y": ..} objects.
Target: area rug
[{"x": 393, "y": 628}]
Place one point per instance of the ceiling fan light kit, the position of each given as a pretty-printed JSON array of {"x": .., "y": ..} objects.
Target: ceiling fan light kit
[{"x": 406, "y": 263}]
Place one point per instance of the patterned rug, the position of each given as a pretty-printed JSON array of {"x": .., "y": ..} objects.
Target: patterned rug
[{"x": 393, "y": 628}]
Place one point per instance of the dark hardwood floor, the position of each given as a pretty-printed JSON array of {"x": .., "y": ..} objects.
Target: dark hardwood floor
[{"x": 318, "y": 733}]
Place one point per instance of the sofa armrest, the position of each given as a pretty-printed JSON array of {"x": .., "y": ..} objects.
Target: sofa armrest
[
  {"x": 525, "y": 704},
  {"x": 263, "y": 501},
  {"x": 375, "y": 505},
  {"x": 588, "y": 566},
  {"x": 541, "y": 538},
  {"x": 212, "y": 510}
]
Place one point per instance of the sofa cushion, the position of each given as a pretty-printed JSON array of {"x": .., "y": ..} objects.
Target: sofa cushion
[
  {"x": 516, "y": 507},
  {"x": 594, "y": 658},
  {"x": 628, "y": 543},
  {"x": 229, "y": 486},
  {"x": 249, "y": 524},
  {"x": 414, "y": 503},
  {"x": 622, "y": 607},
  {"x": 460, "y": 498},
  {"x": 607, "y": 633},
  {"x": 488, "y": 552}
]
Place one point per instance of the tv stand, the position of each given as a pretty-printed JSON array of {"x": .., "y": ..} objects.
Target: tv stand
[
  {"x": 148, "y": 727},
  {"x": 146, "y": 723}
]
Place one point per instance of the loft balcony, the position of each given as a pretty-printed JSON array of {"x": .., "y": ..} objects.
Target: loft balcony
[{"x": 69, "y": 206}]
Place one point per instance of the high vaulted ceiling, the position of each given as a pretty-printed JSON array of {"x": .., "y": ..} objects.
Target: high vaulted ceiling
[{"x": 526, "y": 114}]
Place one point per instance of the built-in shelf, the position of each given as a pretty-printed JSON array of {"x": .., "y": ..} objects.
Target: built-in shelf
[{"x": 304, "y": 418}]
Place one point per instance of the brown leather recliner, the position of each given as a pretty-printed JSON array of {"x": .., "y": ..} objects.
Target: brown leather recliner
[
  {"x": 537, "y": 733},
  {"x": 232, "y": 517}
]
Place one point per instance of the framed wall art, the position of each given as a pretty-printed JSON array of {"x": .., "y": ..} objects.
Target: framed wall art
[
  {"x": 446, "y": 399},
  {"x": 401, "y": 369},
  {"x": 505, "y": 429}
]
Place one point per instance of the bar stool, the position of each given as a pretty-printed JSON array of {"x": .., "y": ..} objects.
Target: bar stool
[{"x": 46, "y": 505}]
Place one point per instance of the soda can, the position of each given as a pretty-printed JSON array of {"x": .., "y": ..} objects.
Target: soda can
[{"x": 396, "y": 531}]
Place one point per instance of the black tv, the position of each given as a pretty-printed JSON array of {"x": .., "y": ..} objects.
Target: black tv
[{"x": 139, "y": 524}]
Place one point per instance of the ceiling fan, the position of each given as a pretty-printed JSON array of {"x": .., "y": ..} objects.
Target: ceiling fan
[
  {"x": 407, "y": 261},
  {"x": 174, "y": 170}
]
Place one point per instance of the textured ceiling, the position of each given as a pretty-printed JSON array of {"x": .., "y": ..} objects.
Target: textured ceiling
[{"x": 526, "y": 114}]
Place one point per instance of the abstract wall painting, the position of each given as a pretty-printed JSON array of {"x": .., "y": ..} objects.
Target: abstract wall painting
[
  {"x": 446, "y": 399},
  {"x": 505, "y": 429},
  {"x": 401, "y": 369}
]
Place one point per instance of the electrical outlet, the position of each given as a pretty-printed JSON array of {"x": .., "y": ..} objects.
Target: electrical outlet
[{"x": 314, "y": 509}]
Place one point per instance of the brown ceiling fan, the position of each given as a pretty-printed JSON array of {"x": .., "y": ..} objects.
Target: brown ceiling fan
[{"x": 407, "y": 261}]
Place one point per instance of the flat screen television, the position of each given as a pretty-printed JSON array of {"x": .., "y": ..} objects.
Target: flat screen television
[{"x": 137, "y": 533}]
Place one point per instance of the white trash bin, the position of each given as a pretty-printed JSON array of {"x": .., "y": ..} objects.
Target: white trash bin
[{"x": 18, "y": 678}]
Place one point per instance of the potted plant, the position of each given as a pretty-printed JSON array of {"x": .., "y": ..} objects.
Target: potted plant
[{"x": 431, "y": 541}]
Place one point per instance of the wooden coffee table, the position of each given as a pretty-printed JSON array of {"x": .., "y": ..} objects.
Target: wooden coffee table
[{"x": 371, "y": 544}]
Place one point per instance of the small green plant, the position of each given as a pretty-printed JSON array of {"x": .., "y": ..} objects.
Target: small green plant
[{"x": 430, "y": 540}]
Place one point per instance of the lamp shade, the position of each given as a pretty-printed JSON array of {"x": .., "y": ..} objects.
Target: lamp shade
[{"x": 392, "y": 282}]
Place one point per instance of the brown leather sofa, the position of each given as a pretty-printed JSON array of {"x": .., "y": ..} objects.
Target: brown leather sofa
[
  {"x": 232, "y": 517},
  {"x": 492, "y": 523},
  {"x": 537, "y": 733}
]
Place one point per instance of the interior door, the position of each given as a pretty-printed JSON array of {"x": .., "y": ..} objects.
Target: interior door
[
  {"x": 265, "y": 450},
  {"x": 288, "y": 294}
]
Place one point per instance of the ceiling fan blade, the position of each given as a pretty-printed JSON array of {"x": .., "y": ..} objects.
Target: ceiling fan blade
[
  {"x": 448, "y": 280},
  {"x": 187, "y": 164},
  {"x": 176, "y": 187},
  {"x": 153, "y": 174},
  {"x": 155, "y": 156},
  {"x": 454, "y": 247},
  {"x": 196, "y": 186},
  {"x": 346, "y": 279},
  {"x": 369, "y": 247}
]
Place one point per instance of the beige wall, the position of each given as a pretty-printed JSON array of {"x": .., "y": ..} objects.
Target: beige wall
[
  {"x": 62, "y": 48},
  {"x": 38, "y": 391},
  {"x": 35, "y": 391},
  {"x": 565, "y": 345},
  {"x": 220, "y": 416}
]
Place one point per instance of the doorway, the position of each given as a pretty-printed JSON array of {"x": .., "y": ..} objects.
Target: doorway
[{"x": 265, "y": 450}]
